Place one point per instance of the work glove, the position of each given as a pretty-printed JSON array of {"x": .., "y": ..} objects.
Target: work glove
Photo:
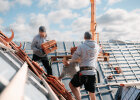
[{"x": 66, "y": 63}]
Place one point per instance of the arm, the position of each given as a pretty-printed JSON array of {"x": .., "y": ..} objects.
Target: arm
[
  {"x": 75, "y": 58},
  {"x": 34, "y": 47},
  {"x": 62, "y": 74},
  {"x": 77, "y": 54}
]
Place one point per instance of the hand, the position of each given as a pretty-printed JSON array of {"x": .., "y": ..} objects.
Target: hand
[
  {"x": 59, "y": 78},
  {"x": 78, "y": 60},
  {"x": 66, "y": 63}
]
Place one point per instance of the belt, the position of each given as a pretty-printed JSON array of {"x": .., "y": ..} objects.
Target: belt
[{"x": 86, "y": 68}]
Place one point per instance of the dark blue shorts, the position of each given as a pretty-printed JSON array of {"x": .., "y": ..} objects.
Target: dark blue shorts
[{"x": 89, "y": 81}]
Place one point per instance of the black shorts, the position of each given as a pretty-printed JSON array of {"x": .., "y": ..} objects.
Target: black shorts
[{"x": 89, "y": 81}]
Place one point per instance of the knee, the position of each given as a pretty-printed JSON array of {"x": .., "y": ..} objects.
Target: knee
[{"x": 92, "y": 96}]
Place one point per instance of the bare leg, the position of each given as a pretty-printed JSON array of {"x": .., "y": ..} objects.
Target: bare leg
[
  {"x": 75, "y": 91},
  {"x": 92, "y": 96}
]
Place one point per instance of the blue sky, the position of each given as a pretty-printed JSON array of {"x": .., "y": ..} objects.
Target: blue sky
[{"x": 69, "y": 19}]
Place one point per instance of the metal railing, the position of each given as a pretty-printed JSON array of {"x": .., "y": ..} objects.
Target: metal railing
[{"x": 15, "y": 89}]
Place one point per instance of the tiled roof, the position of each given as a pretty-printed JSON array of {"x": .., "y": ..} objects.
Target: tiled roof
[{"x": 124, "y": 55}]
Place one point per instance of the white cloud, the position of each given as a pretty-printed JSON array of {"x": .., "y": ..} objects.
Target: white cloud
[
  {"x": 21, "y": 29},
  {"x": 59, "y": 15},
  {"x": 5, "y": 5},
  {"x": 111, "y": 16},
  {"x": 111, "y": 2},
  {"x": 113, "y": 24},
  {"x": 38, "y": 20},
  {"x": 79, "y": 27},
  {"x": 62, "y": 26},
  {"x": 73, "y": 4},
  {"x": 75, "y": 32},
  {"x": 98, "y": 1},
  {"x": 136, "y": 10},
  {"x": 24, "y": 2},
  {"x": 119, "y": 24},
  {"x": 1, "y": 21},
  {"x": 59, "y": 36},
  {"x": 20, "y": 19},
  {"x": 66, "y": 4},
  {"x": 81, "y": 24},
  {"x": 45, "y": 2},
  {"x": 26, "y": 31},
  {"x": 86, "y": 12}
]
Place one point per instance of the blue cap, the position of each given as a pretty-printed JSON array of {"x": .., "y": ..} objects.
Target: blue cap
[{"x": 42, "y": 29}]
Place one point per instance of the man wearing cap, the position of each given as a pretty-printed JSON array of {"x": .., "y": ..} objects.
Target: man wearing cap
[
  {"x": 38, "y": 53},
  {"x": 88, "y": 53}
]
